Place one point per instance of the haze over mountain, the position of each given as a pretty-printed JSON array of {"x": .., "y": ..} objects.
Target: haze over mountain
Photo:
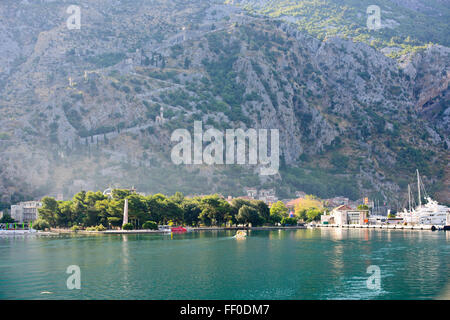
[{"x": 358, "y": 110}]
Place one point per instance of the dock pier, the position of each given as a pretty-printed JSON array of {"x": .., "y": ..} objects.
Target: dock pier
[{"x": 384, "y": 226}]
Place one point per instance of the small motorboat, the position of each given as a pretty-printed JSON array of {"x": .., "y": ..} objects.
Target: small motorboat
[
  {"x": 241, "y": 234},
  {"x": 178, "y": 229},
  {"x": 165, "y": 229}
]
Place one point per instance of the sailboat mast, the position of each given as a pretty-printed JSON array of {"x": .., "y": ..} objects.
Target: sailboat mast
[
  {"x": 418, "y": 187},
  {"x": 409, "y": 197}
]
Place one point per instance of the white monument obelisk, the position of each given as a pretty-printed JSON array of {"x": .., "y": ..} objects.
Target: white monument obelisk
[{"x": 125, "y": 212}]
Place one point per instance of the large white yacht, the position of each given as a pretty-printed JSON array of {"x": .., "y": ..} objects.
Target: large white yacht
[{"x": 430, "y": 213}]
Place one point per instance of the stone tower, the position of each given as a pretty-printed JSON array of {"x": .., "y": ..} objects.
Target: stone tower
[
  {"x": 160, "y": 119},
  {"x": 125, "y": 212}
]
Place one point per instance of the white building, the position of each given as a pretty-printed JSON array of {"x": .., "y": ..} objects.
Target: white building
[
  {"x": 251, "y": 192},
  {"x": 266, "y": 195},
  {"x": 344, "y": 215},
  {"x": 25, "y": 211},
  {"x": 269, "y": 200}
]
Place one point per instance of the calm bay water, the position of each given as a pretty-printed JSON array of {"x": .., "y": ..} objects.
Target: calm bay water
[{"x": 281, "y": 264}]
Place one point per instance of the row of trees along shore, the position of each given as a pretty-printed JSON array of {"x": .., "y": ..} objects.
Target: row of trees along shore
[{"x": 94, "y": 210}]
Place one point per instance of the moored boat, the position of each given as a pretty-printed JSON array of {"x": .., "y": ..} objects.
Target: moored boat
[
  {"x": 165, "y": 229},
  {"x": 429, "y": 213},
  {"x": 178, "y": 229},
  {"x": 170, "y": 229}
]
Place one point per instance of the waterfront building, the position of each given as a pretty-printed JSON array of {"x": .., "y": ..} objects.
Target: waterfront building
[
  {"x": 344, "y": 214},
  {"x": 25, "y": 211}
]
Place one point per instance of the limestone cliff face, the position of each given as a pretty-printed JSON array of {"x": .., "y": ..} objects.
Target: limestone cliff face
[
  {"x": 429, "y": 72},
  {"x": 78, "y": 108}
]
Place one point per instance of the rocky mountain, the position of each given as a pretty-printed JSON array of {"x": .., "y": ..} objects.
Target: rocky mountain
[
  {"x": 79, "y": 108},
  {"x": 404, "y": 25}
]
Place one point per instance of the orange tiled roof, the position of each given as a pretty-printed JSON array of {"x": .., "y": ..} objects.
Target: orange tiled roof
[{"x": 343, "y": 207}]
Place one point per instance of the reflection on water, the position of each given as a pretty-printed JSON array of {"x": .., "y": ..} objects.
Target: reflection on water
[
  {"x": 323, "y": 263},
  {"x": 445, "y": 295}
]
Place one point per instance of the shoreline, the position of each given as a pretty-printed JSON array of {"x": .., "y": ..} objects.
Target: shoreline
[
  {"x": 56, "y": 231},
  {"x": 385, "y": 227},
  {"x": 196, "y": 229}
]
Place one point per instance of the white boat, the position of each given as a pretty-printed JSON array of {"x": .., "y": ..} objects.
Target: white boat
[
  {"x": 165, "y": 229},
  {"x": 241, "y": 234},
  {"x": 430, "y": 213}
]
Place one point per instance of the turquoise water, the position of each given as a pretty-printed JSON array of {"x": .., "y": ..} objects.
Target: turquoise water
[{"x": 279, "y": 264}]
